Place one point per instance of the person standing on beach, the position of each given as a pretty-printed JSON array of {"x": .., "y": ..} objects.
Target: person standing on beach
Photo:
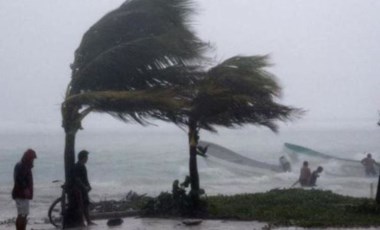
[
  {"x": 22, "y": 191},
  {"x": 285, "y": 164},
  {"x": 82, "y": 186},
  {"x": 305, "y": 174},
  {"x": 369, "y": 165},
  {"x": 314, "y": 176}
]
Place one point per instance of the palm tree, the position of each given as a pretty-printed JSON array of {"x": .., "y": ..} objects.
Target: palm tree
[
  {"x": 236, "y": 92},
  {"x": 378, "y": 183},
  {"x": 127, "y": 66}
]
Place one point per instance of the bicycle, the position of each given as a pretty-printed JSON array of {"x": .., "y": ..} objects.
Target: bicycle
[{"x": 57, "y": 208}]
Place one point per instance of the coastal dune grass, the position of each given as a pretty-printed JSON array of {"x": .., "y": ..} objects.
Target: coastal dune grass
[
  {"x": 296, "y": 207},
  {"x": 278, "y": 207}
]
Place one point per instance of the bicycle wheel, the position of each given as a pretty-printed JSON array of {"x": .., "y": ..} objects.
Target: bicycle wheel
[{"x": 55, "y": 213}]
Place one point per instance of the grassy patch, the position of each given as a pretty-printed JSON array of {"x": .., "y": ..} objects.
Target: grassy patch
[
  {"x": 280, "y": 207},
  {"x": 306, "y": 208}
]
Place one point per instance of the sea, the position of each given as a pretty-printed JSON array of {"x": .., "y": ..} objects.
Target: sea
[{"x": 148, "y": 159}]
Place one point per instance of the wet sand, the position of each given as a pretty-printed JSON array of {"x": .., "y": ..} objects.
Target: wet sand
[
  {"x": 157, "y": 224},
  {"x": 168, "y": 224}
]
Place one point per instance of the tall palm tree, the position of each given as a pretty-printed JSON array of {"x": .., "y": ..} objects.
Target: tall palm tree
[
  {"x": 236, "y": 92},
  {"x": 127, "y": 65},
  {"x": 378, "y": 183}
]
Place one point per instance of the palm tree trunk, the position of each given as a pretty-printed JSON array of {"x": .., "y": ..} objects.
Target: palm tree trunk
[
  {"x": 72, "y": 217},
  {"x": 193, "y": 167},
  {"x": 378, "y": 192},
  {"x": 69, "y": 156}
]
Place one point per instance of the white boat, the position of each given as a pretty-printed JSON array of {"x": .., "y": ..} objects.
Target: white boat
[
  {"x": 216, "y": 151},
  {"x": 332, "y": 165}
]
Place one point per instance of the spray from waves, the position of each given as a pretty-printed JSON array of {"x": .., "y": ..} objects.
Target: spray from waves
[
  {"x": 350, "y": 186},
  {"x": 332, "y": 166},
  {"x": 231, "y": 178},
  {"x": 146, "y": 164},
  {"x": 218, "y": 176},
  {"x": 6, "y": 203}
]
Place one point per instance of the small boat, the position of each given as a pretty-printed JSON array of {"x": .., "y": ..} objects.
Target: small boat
[
  {"x": 336, "y": 166},
  {"x": 222, "y": 153},
  {"x": 306, "y": 151}
]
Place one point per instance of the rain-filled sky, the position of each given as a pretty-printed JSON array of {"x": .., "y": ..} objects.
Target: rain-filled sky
[{"x": 325, "y": 53}]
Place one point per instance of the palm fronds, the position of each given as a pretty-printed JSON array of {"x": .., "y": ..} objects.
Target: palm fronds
[
  {"x": 131, "y": 47},
  {"x": 126, "y": 105},
  {"x": 240, "y": 91}
]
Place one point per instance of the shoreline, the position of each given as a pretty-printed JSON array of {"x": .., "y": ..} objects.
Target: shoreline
[
  {"x": 167, "y": 224},
  {"x": 278, "y": 208},
  {"x": 156, "y": 224}
]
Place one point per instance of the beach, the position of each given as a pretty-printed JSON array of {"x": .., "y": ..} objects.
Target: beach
[
  {"x": 148, "y": 160},
  {"x": 171, "y": 224},
  {"x": 159, "y": 224}
]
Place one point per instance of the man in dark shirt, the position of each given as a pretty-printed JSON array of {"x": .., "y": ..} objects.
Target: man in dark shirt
[
  {"x": 82, "y": 185},
  {"x": 314, "y": 176},
  {"x": 369, "y": 165}
]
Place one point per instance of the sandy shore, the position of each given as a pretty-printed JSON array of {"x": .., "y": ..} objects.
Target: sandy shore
[
  {"x": 157, "y": 224},
  {"x": 167, "y": 224}
]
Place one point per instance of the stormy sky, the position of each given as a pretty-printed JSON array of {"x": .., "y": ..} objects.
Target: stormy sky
[{"x": 325, "y": 53}]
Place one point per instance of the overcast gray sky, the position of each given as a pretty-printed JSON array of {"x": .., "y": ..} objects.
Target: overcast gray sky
[{"x": 325, "y": 53}]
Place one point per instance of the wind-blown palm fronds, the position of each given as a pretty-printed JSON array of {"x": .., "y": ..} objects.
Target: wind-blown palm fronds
[
  {"x": 138, "y": 105},
  {"x": 142, "y": 44},
  {"x": 240, "y": 91}
]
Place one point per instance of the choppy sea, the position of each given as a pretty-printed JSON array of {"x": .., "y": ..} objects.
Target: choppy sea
[{"x": 149, "y": 159}]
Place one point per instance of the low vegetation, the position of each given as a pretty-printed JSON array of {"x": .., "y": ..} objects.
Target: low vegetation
[
  {"x": 279, "y": 207},
  {"x": 297, "y": 207}
]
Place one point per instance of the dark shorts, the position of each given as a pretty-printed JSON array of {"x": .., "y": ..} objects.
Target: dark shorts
[{"x": 82, "y": 197}]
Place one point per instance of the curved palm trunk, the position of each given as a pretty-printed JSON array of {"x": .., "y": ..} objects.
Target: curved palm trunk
[
  {"x": 378, "y": 192},
  {"x": 193, "y": 167},
  {"x": 69, "y": 154},
  {"x": 72, "y": 217},
  {"x": 378, "y": 183}
]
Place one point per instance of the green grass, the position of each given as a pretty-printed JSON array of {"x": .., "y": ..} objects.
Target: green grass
[
  {"x": 280, "y": 207},
  {"x": 296, "y": 207}
]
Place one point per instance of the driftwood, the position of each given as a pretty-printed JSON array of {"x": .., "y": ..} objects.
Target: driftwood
[{"x": 127, "y": 207}]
